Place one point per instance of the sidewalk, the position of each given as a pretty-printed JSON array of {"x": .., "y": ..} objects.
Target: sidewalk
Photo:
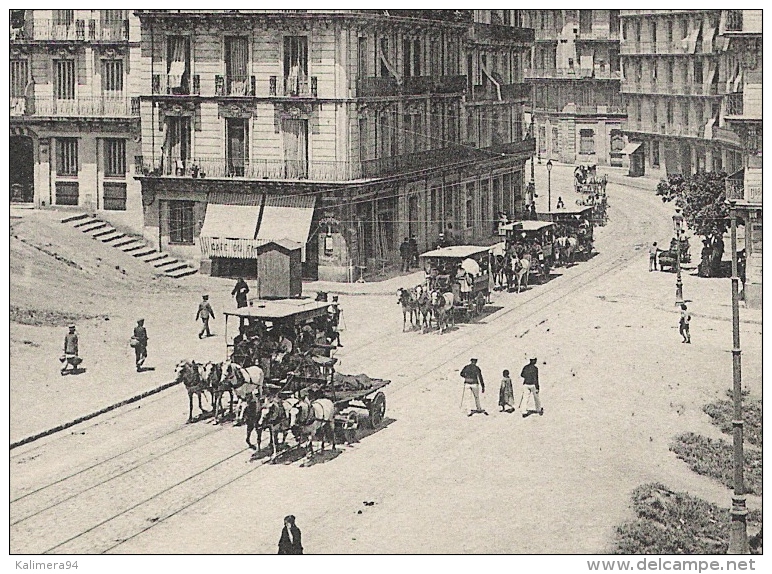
[{"x": 386, "y": 287}]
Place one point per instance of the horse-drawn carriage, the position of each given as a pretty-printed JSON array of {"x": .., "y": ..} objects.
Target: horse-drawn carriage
[
  {"x": 587, "y": 180},
  {"x": 573, "y": 233},
  {"x": 529, "y": 245},
  {"x": 464, "y": 272},
  {"x": 667, "y": 259}
]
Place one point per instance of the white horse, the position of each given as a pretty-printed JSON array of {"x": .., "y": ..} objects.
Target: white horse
[
  {"x": 246, "y": 383},
  {"x": 320, "y": 417},
  {"x": 275, "y": 415},
  {"x": 520, "y": 271},
  {"x": 442, "y": 308}
]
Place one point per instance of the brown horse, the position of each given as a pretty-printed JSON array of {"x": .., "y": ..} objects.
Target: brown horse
[
  {"x": 407, "y": 298},
  {"x": 246, "y": 383},
  {"x": 273, "y": 414},
  {"x": 190, "y": 374}
]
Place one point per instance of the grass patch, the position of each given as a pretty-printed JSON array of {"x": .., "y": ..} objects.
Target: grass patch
[
  {"x": 713, "y": 458},
  {"x": 47, "y": 318},
  {"x": 721, "y": 413},
  {"x": 669, "y": 522}
]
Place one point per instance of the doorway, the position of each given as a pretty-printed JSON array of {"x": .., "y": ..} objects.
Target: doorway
[{"x": 22, "y": 169}]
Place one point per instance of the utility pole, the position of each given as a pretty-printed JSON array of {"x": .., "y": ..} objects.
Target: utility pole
[{"x": 678, "y": 220}]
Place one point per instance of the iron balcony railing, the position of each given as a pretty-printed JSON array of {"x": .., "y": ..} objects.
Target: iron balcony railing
[
  {"x": 499, "y": 34},
  {"x": 234, "y": 85},
  {"x": 173, "y": 85},
  {"x": 411, "y": 85},
  {"x": 81, "y": 30},
  {"x": 259, "y": 169},
  {"x": 598, "y": 73},
  {"x": 81, "y": 106},
  {"x": 734, "y": 21},
  {"x": 505, "y": 92},
  {"x": 300, "y": 86},
  {"x": 734, "y": 104}
]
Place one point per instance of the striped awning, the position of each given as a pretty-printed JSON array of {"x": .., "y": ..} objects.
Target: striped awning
[{"x": 287, "y": 217}]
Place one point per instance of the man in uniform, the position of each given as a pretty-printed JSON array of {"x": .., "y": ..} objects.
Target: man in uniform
[
  {"x": 205, "y": 312},
  {"x": 70, "y": 350},
  {"x": 473, "y": 379},
  {"x": 140, "y": 349}
]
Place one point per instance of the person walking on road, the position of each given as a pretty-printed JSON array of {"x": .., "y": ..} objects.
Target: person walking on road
[
  {"x": 139, "y": 342},
  {"x": 205, "y": 312},
  {"x": 683, "y": 324},
  {"x": 506, "y": 394},
  {"x": 404, "y": 253},
  {"x": 530, "y": 374},
  {"x": 473, "y": 379},
  {"x": 289, "y": 542},
  {"x": 653, "y": 252},
  {"x": 70, "y": 358},
  {"x": 240, "y": 292}
]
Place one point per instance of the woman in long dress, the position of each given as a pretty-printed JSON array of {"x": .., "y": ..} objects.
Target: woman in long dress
[{"x": 506, "y": 394}]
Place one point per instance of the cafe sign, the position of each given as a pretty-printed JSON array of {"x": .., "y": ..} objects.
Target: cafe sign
[{"x": 230, "y": 248}]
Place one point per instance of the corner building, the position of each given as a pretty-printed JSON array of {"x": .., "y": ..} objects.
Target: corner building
[{"x": 343, "y": 131}]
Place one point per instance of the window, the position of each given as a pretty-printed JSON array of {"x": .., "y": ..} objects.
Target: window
[
  {"x": 115, "y": 157},
  {"x": 385, "y": 133},
  {"x": 542, "y": 139},
  {"x": 669, "y": 108},
  {"x": 112, "y": 77},
  {"x": 469, "y": 204},
  {"x": 19, "y": 75},
  {"x": 586, "y": 141},
  {"x": 66, "y": 156},
  {"x": 655, "y": 153},
  {"x": 670, "y": 75},
  {"x": 17, "y": 19},
  {"x": 177, "y": 145},
  {"x": 295, "y": 141},
  {"x": 452, "y": 122},
  {"x": 485, "y": 217},
  {"x": 66, "y": 193},
  {"x": 653, "y": 32},
  {"x": 506, "y": 185},
  {"x": 178, "y": 64},
  {"x": 624, "y": 30},
  {"x": 585, "y": 21},
  {"x": 613, "y": 22},
  {"x": 112, "y": 16},
  {"x": 411, "y": 58},
  {"x": 381, "y": 58},
  {"x": 237, "y": 66},
  {"x": 654, "y": 118},
  {"x": 638, "y": 111},
  {"x": 64, "y": 17},
  {"x": 637, "y": 31},
  {"x": 362, "y": 57},
  {"x": 65, "y": 79},
  {"x": 114, "y": 196},
  {"x": 364, "y": 139},
  {"x": 697, "y": 72},
  {"x": 295, "y": 65},
  {"x": 669, "y": 30},
  {"x": 555, "y": 140},
  {"x": 685, "y": 114},
  {"x": 181, "y": 222}
]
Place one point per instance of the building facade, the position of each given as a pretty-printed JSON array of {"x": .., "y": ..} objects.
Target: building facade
[
  {"x": 574, "y": 68},
  {"x": 74, "y": 124},
  {"x": 741, "y": 127},
  {"x": 343, "y": 131},
  {"x": 675, "y": 78}
]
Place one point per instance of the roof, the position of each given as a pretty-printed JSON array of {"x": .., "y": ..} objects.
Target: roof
[
  {"x": 283, "y": 243},
  {"x": 282, "y": 309},
  {"x": 630, "y": 148},
  {"x": 528, "y": 225},
  {"x": 566, "y": 211},
  {"x": 456, "y": 251}
]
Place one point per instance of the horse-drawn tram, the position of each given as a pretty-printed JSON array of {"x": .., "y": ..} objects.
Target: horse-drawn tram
[
  {"x": 529, "y": 245},
  {"x": 463, "y": 271},
  {"x": 573, "y": 233}
]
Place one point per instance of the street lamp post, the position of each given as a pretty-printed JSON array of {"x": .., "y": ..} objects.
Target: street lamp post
[
  {"x": 549, "y": 186},
  {"x": 678, "y": 220},
  {"x": 738, "y": 538}
]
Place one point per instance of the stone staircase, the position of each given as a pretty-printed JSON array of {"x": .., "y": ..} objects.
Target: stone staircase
[{"x": 131, "y": 244}]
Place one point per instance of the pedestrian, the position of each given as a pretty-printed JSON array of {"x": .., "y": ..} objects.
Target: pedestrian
[
  {"x": 653, "y": 252},
  {"x": 205, "y": 312},
  {"x": 560, "y": 204},
  {"x": 333, "y": 321},
  {"x": 530, "y": 374},
  {"x": 139, "y": 342},
  {"x": 413, "y": 251},
  {"x": 473, "y": 379},
  {"x": 70, "y": 358},
  {"x": 449, "y": 237},
  {"x": 240, "y": 292},
  {"x": 404, "y": 253},
  {"x": 441, "y": 241},
  {"x": 506, "y": 394},
  {"x": 683, "y": 324},
  {"x": 289, "y": 542}
]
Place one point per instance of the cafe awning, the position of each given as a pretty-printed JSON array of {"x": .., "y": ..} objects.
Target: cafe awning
[
  {"x": 232, "y": 216},
  {"x": 287, "y": 217}
]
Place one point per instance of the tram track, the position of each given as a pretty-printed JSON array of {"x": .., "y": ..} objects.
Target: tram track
[{"x": 195, "y": 484}]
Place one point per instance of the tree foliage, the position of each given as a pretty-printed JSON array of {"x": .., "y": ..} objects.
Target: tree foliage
[{"x": 702, "y": 198}]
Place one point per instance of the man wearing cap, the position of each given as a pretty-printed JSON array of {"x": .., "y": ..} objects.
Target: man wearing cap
[
  {"x": 140, "y": 348},
  {"x": 205, "y": 312},
  {"x": 473, "y": 379},
  {"x": 530, "y": 374},
  {"x": 70, "y": 350},
  {"x": 333, "y": 323}
]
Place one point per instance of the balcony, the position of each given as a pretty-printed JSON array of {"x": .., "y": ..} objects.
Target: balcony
[
  {"x": 91, "y": 30},
  {"x": 734, "y": 104},
  {"x": 234, "y": 85},
  {"x": 506, "y": 93},
  {"x": 166, "y": 84},
  {"x": 79, "y": 107},
  {"x": 598, "y": 73},
  {"x": 596, "y": 110},
  {"x": 633, "y": 48},
  {"x": 497, "y": 34},
  {"x": 727, "y": 136},
  {"x": 299, "y": 87},
  {"x": 375, "y": 87},
  {"x": 741, "y": 22}
]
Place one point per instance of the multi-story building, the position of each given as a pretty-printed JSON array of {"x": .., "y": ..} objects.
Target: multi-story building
[
  {"x": 741, "y": 127},
  {"x": 339, "y": 130},
  {"x": 673, "y": 84},
  {"x": 73, "y": 121},
  {"x": 574, "y": 68}
]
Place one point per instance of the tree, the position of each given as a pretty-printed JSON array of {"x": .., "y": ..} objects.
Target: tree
[{"x": 702, "y": 198}]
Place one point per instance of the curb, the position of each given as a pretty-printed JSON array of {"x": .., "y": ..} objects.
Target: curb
[{"x": 84, "y": 418}]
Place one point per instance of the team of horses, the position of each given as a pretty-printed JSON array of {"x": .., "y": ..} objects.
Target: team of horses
[
  {"x": 422, "y": 306},
  {"x": 245, "y": 387}
]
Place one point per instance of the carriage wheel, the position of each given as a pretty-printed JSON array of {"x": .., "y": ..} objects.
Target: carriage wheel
[{"x": 377, "y": 409}]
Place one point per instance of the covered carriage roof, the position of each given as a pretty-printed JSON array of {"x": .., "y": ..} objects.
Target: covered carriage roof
[
  {"x": 300, "y": 309},
  {"x": 566, "y": 211},
  {"x": 456, "y": 251},
  {"x": 528, "y": 225}
]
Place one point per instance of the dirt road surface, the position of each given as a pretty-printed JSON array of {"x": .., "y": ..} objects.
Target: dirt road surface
[{"x": 617, "y": 385}]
